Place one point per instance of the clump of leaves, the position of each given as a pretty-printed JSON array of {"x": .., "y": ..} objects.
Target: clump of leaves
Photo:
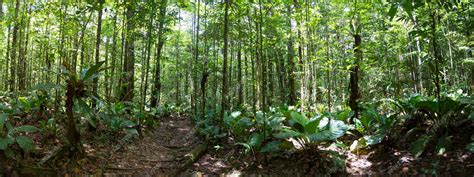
[
  {"x": 10, "y": 135},
  {"x": 309, "y": 132},
  {"x": 435, "y": 119},
  {"x": 275, "y": 130}
]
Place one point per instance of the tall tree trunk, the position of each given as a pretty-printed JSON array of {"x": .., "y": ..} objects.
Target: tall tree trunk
[
  {"x": 252, "y": 60},
  {"x": 420, "y": 62},
  {"x": 224, "y": 67},
  {"x": 13, "y": 52},
  {"x": 148, "y": 56},
  {"x": 155, "y": 94},
  {"x": 437, "y": 55},
  {"x": 328, "y": 76},
  {"x": 354, "y": 77},
  {"x": 23, "y": 48},
  {"x": 61, "y": 52},
  {"x": 97, "y": 48},
  {"x": 205, "y": 73},
  {"x": 262, "y": 62},
  {"x": 127, "y": 78},
  {"x": 291, "y": 63},
  {"x": 240, "y": 95},
  {"x": 7, "y": 58},
  {"x": 114, "y": 58},
  {"x": 178, "y": 74},
  {"x": 196, "y": 58}
]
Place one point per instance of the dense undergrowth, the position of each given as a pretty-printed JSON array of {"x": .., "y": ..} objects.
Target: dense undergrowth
[
  {"x": 422, "y": 125},
  {"x": 34, "y": 121}
]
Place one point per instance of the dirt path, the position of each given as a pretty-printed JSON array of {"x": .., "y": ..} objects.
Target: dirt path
[{"x": 160, "y": 152}]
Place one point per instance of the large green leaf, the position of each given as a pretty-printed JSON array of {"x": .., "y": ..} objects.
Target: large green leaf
[
  {"x": 26, "y": 143},
  {"x": 3, "y": 118},
  {"x": 5, "y": 142},
  {"x": 419, "y": 145},
  {"x": 332, "y": 130},
  {"x": 256, "y": 140},
  {"x": 87, "y": 75},
  {"x": 312, "y": 125},
  {"x": 392, "y": 11},
  {"x": 87, "y": 111},
  {"x": 287, "y": 133},
  {"x": 271, "y": 147},
  {"x": 298, "y": 118},
  {"x": 25, "y": 128},
  {"x": 432, "y": 106},
  {"x": 344, "y": 115},
  {"x": 320, "y": 136},
  {"x": 26, "y": 104}
]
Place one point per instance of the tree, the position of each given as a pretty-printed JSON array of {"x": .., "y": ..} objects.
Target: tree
[
  {"x": 155, "y": 94},
  {"x": 97, "y": 45},
  {"x": 128, "y": 72},
  {"x": 224, "y": 63},
  {"x": 354, "y": 71}
]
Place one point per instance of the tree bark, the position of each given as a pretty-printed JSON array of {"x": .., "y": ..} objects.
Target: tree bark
[
  {"x": 354, "y": 77},
  {"x": 14, "y": 46},
  {"x": 127, "y": 78},
  {"x": 224, "y": 68},
  {"x": 155, "y": 94},
  {"x": 291, "y": 63},
  {"x": 97, "y": 49}
]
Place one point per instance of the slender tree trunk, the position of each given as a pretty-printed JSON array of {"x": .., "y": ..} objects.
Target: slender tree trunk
[
  {"x": 178, "y": 74},
  {"x": 196, "y": 59},
  {"x": 420, "y": 62},
  {"x": 114, "y": 58},
  {"x": 13, "y": 52},
  {"x": 291, "y": 63},
  {"x": 328, "y": 80},
  {"x": 437, "y": 55},
  {"x": 354, "y": 77},
  {"x": 128, "y": 73},
  {"x": 155, "y": 94},
  {"x": 250, "y": 41},
  {"x": 61, "y": 53},
  {"x": 263, "y": 74},
  {"x": 224, "y": 67},
  {"x": 97, "y": 48},
  {"x": 148, "y": 56},
  {"x": 7, "y": 58},
  {"x": 205, "y": 73},
  {"x": 240, "y": 95},
  {"x": 23, "y": 48}
]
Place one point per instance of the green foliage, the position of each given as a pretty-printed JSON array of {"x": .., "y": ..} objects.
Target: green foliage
[
  {"x": 10, "y": 135},
  {"x": 273, "y": 131},
  {"x": 419, "y": 145},
  {"x": 452, "y": 111}
]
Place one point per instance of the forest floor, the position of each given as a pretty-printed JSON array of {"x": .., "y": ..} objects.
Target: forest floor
[
  {"x": 161, "y": 151},
  {"x": 165, "y": 151}
]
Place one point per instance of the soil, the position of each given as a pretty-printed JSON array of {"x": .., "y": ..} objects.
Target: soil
[
  {"x": 160, "y": 152},
  {"x": 378, "y": 161}
]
